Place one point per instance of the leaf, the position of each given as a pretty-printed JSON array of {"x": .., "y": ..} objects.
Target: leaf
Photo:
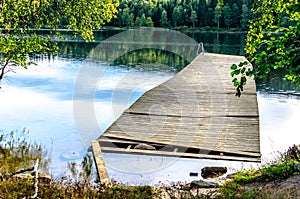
[
  {"x": 232, "y": 73},
  {"x": 237, "y": 72},
  {"x": 243, "y": 80},
  {"x": 233, "y": 67},
  {"x": 236, "y": 84},
  {"x": 243, "y": 70}
]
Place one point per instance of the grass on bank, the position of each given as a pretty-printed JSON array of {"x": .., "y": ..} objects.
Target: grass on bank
[
  {"x": 287, "y": 166},
  {"x": 16, "y": 153}
]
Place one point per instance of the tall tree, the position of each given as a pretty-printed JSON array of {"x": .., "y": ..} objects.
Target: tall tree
[
  {"x": 218, "y": 13},
  {"x": 149, "y": 22},
  {"x": 176, "y": 16},
  {"x": 164, "y": 19},
  {"x": 143, "y": 20},
  {"x": 236, "y": 15},
  {"x": 209, "y": 19},
  {"x": 227, "y": 14},
  {"x": 127, "y": 18},
  {"x": 193, "y": 18},
  {"x": 20, "y": 20},
  {"x": 156, "y": 15},
  {"x": 245, "y": 17},
  {"x": 137, "y": 22}
]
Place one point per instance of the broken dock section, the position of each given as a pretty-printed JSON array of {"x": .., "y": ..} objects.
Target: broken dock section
[{"x": 195, "y": 114}]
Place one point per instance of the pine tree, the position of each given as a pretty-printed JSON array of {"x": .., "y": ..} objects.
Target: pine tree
[
  {"x": 193, "y": 18},
  {"x": 218, "y": 13},
  {"x": 143, "y": 20},
  {"x": 164, "y": 19},
  {"x": 149, "y": 22},
  {"x": 137, "y": 22},
  {"x": 227, "y": 14},
  {"x": 236, "y": 16},
  {"x": 245, "y": 17},
  {"x": 127, "y": 18},
  {"x": 176, "y": 16}
]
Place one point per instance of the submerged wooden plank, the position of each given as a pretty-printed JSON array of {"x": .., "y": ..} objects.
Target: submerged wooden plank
[
  {"x": 100, "y": 164},
  {"x": 195, "y": 110},
  {"x": 179, "y": 154}
]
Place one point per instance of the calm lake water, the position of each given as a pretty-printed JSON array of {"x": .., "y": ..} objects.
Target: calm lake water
[{"x": 40, "y": 99}]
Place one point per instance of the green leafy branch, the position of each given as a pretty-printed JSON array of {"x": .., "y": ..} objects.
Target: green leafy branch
[
  {"x": 20, "y": 21},
  {"x": 240, "y": 70},
  {"x": 273, "y": 42}
]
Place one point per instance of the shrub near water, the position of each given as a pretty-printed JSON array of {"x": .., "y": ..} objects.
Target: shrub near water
[
  {"x": 16, "y": 153},
  {"x": 287, "y": 166}
]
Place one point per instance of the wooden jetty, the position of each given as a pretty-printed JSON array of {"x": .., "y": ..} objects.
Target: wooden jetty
[{"x": 195, "y": 114}]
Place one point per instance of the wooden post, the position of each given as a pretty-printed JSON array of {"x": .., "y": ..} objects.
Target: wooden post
[{"x": 100, "y": 164}]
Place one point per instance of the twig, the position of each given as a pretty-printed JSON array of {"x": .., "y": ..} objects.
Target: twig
[
  {"x": 35, "y": 179},
  {"x": 20, "y": 171}
]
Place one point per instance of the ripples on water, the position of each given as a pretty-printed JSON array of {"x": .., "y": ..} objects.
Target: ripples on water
[{"x": 40, "y": 99}]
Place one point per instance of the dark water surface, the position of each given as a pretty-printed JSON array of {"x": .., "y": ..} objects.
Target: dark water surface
[{"x": 41, "y": 99}]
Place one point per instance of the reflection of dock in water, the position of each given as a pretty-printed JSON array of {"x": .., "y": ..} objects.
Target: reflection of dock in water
[{"x": 195, "y": 114}]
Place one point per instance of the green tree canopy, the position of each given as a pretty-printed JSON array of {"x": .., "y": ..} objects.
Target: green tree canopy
[
  {"x": 273, "y": 41},
  {"x": 245, "y": 17},
  {"x": 21, "y": 19},
  {"x": 227, "y": 13},
  {"x": 164, "y": 19},
  {"x": 193, "y": 17},
  {"x": 218, "y": 13}
]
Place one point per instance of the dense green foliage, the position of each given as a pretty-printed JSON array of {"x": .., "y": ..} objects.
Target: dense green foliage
[
  {"x": 20, "y": 20},
  {"x": 187, "y": 13},
  {"x": 273, "y": 41}
]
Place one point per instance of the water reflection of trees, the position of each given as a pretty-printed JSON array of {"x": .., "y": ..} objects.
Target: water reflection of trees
[
  {"x": 222, "y": 43},
  {"x": 152, "y": 59},
  {"x": 275, "y": 83},
  {"x": 77, "y": 50}
]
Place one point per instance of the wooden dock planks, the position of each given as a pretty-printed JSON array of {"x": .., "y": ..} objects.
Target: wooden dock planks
[{"x": 195, "y": 114}]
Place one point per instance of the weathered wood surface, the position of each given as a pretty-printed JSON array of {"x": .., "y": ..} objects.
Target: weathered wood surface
[
  {"x": 196, "y": 111},
  {"x": 100, "y": 164}
]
